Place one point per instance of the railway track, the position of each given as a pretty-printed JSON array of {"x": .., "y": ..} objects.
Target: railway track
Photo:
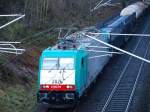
[
  {"x": 121, "y": 96},
  {"x": 118, "y": 96}
]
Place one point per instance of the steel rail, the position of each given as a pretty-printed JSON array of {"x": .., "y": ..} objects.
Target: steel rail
[
  {"x": 137, "y": 78},
  {"x": 124, "y": 70},
  {"x": 119, "y": 79}
]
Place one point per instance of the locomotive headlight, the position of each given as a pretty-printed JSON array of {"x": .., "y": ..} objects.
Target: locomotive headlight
[
  {"x": 69, "y": 96},
  {"x": 69, "y": 87},
  {"x": 45, "y": 86}
]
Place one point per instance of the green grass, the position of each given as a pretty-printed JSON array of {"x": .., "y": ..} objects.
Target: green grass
[{"x": 17, "y": 98}]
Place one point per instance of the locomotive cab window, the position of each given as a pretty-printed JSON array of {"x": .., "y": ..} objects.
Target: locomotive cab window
[
  {"x": 50, "y": 63},
  {"x": 58, "y": 64},
  {"x": 66, "y": 63}
]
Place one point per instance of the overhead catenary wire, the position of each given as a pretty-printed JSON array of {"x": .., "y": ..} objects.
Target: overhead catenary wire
[
  {"x": 25, "y": 38},
  {"x": 101, "y": 4},
  {"x": 5, "y": 25},
  {"x": 11, "y": 45},
  {"x": 37, "y": 34},
  {"x": 98, "y": 4},
  {"x": 11, "y": 52},
  {"x": 22, "y": 40},
  {"x": 10, "y": 49},
  {"x": 100, "y": 47},
  {"x": 69, "y": 29},
  {"x": 120, "y": 34},
  {"x": 59, "y": 34},
  {"x": 11, "y": 15},
  {"x": 100, "y": 56},
  {"x": 3, "y": 42},
  {"x": 98, "y": 51},
  {"x": 114, "y": 47}
]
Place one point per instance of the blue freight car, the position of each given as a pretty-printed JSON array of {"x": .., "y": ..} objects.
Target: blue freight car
[{"x": 120, "y": 24}]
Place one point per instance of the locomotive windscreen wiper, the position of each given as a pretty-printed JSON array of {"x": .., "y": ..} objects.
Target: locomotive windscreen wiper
[{"x": 64, "y": 72}]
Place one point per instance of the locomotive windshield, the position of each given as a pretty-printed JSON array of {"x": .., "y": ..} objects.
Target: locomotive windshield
[{"x": 58, "y": 64}]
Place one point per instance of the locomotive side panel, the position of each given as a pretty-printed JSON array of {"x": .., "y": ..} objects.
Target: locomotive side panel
[{"x": 97, "y": 60}]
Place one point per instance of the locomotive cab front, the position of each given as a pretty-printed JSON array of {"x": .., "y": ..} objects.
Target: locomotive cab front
[{"x": 57, "y": 79}]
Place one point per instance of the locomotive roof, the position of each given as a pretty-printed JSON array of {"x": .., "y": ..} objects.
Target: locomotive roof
[{"x": 76, "y": 40}]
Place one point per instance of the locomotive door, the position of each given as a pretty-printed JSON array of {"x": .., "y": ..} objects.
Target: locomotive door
[{"x": 83, "y": 72}]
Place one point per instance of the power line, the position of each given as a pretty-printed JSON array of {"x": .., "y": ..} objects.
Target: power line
[
  {"x": 101, "y": 4},
  {"x": 120, "y": 34},
  {"x": 114, "y": 47},
  {"x": 5, "y": 25},
  {"x": 11, "y": 15}
]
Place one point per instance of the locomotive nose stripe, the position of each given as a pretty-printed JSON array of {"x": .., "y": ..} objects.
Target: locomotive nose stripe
[{"x": 50, "y": 87}]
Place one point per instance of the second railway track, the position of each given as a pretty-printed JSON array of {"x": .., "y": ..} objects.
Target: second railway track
[{"x": 120, "y": 97}]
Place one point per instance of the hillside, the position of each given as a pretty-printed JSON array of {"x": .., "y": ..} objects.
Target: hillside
[{"x": 18, "y": 74}]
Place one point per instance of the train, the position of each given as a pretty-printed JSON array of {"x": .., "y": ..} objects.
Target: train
[{"x": 67, "y": 69}]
